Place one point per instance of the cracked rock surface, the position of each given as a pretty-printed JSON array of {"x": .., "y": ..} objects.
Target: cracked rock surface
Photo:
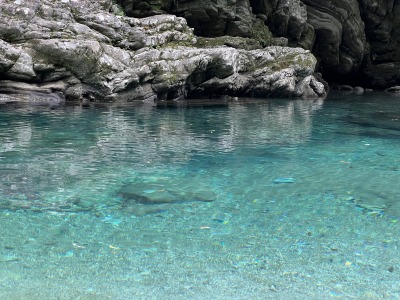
[{"x": 82, "y": 51}]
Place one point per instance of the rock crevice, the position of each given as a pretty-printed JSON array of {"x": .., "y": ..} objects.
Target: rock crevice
[
  {"x": 356, "y": 42},
  {"x": 94, "y": 54}
]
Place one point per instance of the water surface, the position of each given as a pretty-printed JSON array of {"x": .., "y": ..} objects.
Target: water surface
[{"x": 246, "y": 199}]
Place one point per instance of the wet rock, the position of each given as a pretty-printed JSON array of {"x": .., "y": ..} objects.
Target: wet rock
[
  {"x": 34, "y": 98},
  {"x": 45, "y": 95},
  {"x": 393, "y": 89},
  {"x": 155, "y": 193},
  {"x": 345, "y": 87},
  {"x": 354, "y": 41},
  {"x": 358, "y": 90},
  {"x": 381, "y": 120},
  {"x": 310, "y": 87},
  {"x": 215, "y": 18}
]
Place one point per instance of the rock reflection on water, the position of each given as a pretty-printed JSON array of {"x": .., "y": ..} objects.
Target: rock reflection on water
[
  {"x": 175, "y": 134},
  {"x": 72, "y": 154},
  {"x": 72, "y": 158}
]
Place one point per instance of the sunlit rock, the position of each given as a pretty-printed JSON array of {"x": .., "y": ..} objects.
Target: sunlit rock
[{"x": 100, "y": 56}]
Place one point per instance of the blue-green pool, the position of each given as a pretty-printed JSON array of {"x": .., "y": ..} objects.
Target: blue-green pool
[{"x": 240, "y": 199}]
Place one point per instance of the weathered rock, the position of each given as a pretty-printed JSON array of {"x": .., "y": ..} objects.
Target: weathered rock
[
  {"x": 50, "y": 94},
  {"x": 345, "y": 87},
  {"x": 280, "y": 41},
  {"x": 290, "y": 19},
  {"x": 95, "y": 55},
  {"x": 310, "y": 87},
  {"x": 393, "y": 89},
  {"x": 358, "y": 90},
  {"x": 340, "y": 38},
  {"x": 230, "y": 41},
  {"x": 180, "y": 72},
  {"x": 146, "y": 8},
  {"x": 355, "y": 41},
  {"x": 208, "y": 18},
  {"x": 382, "y": 28},
  {"x": 158, "y": 193},
  {"x": 380, "y": 119}
]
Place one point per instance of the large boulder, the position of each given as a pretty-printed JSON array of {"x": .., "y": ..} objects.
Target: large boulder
[{"x": 83, "y": 51}]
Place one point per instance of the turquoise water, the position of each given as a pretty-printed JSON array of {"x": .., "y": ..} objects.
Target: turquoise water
[{"x": 246, "y": 199}]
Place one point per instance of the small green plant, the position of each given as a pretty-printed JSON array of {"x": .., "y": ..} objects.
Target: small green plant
[
  {"x": 117, "y": 9},
  {"x": 261, "y": 33}
]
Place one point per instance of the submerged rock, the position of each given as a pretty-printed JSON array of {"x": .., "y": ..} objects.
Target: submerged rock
[
  {"x": 83, "y": 52},
  {"x": 379, "y": 120},
  {"x": 155, "y": 193}
]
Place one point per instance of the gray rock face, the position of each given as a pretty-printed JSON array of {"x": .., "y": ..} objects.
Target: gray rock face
[
  {"x": 382, "y": 27},
  {"x": 146, "y": 8},
  {"x": 83, "y": 51},
  {"x": 290, "y": 20},
  {"x": 355, "y": 41},
  {"x": 340, "y": 38},
  {"x": 208, "y": 18},
  {"x": 34, "y": 94}
]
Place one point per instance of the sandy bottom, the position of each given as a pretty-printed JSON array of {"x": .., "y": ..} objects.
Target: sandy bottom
[{"x": 314, "y": 247}]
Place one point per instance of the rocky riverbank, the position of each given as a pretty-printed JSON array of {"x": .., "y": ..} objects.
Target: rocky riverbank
[
  {"x": 102, "y": 51},
  {"x": 355, "y": 41},
  {"x": 85, "y": 51}
]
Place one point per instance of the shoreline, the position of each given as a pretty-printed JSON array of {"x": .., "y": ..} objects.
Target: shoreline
[{"x": 46, "y": 98}]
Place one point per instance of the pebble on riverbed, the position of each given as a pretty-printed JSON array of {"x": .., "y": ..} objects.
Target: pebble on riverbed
[{"x": 284, "y": 180}]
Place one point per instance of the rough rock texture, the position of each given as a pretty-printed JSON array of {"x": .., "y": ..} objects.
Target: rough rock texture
[
  {"x": 382, "y": 28},
  {"x": 340, "y": 39},
  {"x": 208, "y": 18},
  {"x": 84, "y": 51},
  {"x": 355, "y": 41}
]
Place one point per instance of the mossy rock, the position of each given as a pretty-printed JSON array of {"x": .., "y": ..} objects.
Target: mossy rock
[
  {"x": 261, "y": 33},
  {"x": 230, "y": 41}
]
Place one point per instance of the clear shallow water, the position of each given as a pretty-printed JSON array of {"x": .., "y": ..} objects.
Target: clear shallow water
[{"x": 237, "y": 200}]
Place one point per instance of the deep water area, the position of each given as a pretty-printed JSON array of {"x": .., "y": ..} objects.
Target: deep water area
[{"x": 201, "y": 199}]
